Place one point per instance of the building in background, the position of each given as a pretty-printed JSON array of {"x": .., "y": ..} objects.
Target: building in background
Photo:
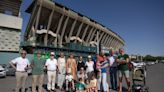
[
  {"x": 54, "y": 27},
  {"x": 10, "y": 29},
  {"x": 10, "y": 25}
]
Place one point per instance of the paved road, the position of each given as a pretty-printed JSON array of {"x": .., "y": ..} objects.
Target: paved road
[{"x": 155, "y": 80}]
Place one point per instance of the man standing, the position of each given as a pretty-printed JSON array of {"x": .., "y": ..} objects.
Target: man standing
[
  {"x": 62, "y": 70},
  {"x": 21, "y": 65},
  {"x": 113, "y": 70},
  {"x": 123, "y": 60},
  {"x": 37, "y": 65},
  {"x": 51, "y": 65}
]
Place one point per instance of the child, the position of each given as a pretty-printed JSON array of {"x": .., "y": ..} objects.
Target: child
[
  {"x": 69, "y": 81},
  {"x": 93, "y": 83},
  {"x": 82, "y": 74},
  {"x": 87, "y": 85},
  {"x": 80, "y": 86}
]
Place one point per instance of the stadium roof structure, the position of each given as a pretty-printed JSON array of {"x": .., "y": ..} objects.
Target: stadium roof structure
[{"x": 54, "y": 24}]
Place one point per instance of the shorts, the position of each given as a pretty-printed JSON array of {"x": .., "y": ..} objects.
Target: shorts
[{"x": 125, "y": 73}]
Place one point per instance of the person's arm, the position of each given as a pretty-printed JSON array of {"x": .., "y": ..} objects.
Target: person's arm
[
  {"x": 67, "y": 63},
  {"x": 125, "y": 61},
  {"x": 121, "y": 61},
  {"x": 12, "y": 63},
  {"x": 58, "y": 66},
  {"x": 105, "y": 66},
  {"x": 28, "y": 65},
  {"x": 75, "y": 66},
  {"x": 32, "y": 64},
  {"x": 106, "y": 61},
  {"x": 46, "y": 64}
]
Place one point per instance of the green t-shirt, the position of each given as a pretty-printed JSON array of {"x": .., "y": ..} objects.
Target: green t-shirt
[
  {"x": 38, "y": 66},
  {"x": 123, "y": 67},
  {"x": 80, "y": 86}
]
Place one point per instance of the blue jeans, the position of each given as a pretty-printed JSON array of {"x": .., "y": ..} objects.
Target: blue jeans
[{"x": 113, "y": 77}]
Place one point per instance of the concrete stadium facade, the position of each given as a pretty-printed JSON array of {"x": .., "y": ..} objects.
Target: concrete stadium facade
[
  {"x": 10, "y": 25},
  {"x": 54, "y": 25}
]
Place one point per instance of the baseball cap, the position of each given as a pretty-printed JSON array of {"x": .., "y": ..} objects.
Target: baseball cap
[
  {"x": 52, "y": 53},
  {"x": 89, "y": 56}
]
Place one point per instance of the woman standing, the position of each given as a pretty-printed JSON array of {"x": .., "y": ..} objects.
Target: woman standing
[
  {"x": 72, "y": 66},
  {"x": 90, "y": 67},
  {"x": 62, "y": 70}
]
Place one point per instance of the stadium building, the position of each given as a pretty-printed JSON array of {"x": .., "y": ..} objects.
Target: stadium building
[
  {"x": 10, "y": 25},
  {"x": 10, "y": 29},
  {"x": 54, "y": 27}
]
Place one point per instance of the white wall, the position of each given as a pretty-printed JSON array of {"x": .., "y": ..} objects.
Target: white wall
[
  {"x": 10, "y": 21},
  {"x": 9, "y": 39}
]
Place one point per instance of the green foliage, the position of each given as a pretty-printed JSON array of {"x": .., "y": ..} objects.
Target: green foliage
[{"x": 153, "y": 58}]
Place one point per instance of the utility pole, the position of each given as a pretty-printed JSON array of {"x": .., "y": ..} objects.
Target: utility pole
[{"x": 97, "y": 42}]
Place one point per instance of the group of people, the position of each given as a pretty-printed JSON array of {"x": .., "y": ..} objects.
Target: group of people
[{"x": 77, "y": 75}]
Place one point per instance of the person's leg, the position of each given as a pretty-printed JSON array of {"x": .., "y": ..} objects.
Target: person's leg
[
  {"x": 120, "y": 80},
  {"x": 115, "y": 78},
  {"x": 53, "y": 80},
  {"x": 40, "y": 82},
  {"x": 127, "y": 79},
  {"x": 49, "y": 76},
  {"x": 18, "y": 81},
  {"x": 99, "y": 82},
  {"x": 104, "y": 82},
  {"x": 62, "y": 80},
  {"x": 73, "y": 86},
  {"x": 89, "y": 76},
  {"x": 66, "y": 85},
  {"x": 111, "y": 78},
  {"x": 24, "y": 77},
  {"x": 34, "y": 78},
  {"x": 59, "y": 80}
]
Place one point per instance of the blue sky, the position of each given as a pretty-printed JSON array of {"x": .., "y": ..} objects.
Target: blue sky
[{"x": 139, "y": 22}]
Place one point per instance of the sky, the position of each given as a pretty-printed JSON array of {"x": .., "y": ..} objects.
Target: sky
[{"x": 139, "y": 22}]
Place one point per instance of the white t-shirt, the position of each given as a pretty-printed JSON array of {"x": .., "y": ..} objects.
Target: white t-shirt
[
  {"x": 90, "y": 66},
  {"x": 69, "y": 78},
  {"x": 21, "y": 63},
  {"x": 83, "y": 76},
  {"x": 51, "y": 64},
  {"x": 111, "y": 60}
]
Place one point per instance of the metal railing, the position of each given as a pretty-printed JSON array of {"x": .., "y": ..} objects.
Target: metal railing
[{"x": 67, "y": 46}]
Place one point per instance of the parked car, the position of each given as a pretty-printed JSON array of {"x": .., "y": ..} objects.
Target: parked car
[
  {"x": 10, "y": 71},
  {"x": 138, "y": 63},
  {"x": 2, "y": 71},
  {"x": 150, "y": 63}
]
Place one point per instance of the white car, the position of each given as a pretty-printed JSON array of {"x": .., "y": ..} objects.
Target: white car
[
  {"x": 138, "y": 63},
  {"x": 2, "y": 72}
]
